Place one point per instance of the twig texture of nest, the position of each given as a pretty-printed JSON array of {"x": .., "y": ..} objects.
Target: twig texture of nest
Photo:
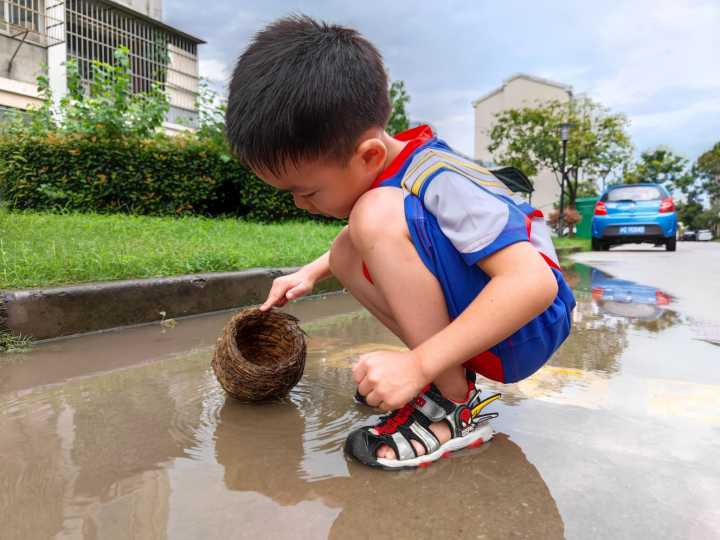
[{"x": 260, "y": 355}]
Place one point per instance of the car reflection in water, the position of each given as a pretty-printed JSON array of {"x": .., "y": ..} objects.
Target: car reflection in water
[{"x": 623, "y": 298}]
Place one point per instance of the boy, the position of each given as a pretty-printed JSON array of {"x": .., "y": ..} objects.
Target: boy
[{"x": 436, "y": 247}]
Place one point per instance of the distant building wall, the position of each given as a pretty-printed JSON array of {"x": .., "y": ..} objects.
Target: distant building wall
[
  {"x": 519, "y": 91},
  {"x": 151, "y": 8},
  {"x": 23, "y": 42}
]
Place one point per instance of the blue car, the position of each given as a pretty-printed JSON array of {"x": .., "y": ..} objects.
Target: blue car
[{"x": 634, "y": 214}]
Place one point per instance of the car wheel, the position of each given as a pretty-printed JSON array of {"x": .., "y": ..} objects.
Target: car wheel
[
  {"x": 671, "y": 244},
  {"x": 596, "y": 244}
]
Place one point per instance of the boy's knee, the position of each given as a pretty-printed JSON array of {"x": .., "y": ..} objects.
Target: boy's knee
[{"x": 379, "y": 213}]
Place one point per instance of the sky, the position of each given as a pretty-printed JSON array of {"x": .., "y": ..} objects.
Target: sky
[{"x": 656, "y": 61}]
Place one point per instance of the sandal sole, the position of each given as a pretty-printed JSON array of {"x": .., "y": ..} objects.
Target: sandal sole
[{"x": 477, "y": 437}]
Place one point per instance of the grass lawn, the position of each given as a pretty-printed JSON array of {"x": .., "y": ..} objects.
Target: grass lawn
[
  {"x": 39, "y": 249},
  {"x": 568, "y": 243}
]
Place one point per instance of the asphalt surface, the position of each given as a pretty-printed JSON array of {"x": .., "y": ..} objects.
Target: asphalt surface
[{"x": 691, "y": 274}]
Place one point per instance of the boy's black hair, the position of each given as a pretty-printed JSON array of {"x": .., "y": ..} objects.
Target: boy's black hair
[{"x": 302, "y": 90}]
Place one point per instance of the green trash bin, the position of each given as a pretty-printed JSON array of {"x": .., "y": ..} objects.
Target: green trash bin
[{"x": 585, "y": 206}]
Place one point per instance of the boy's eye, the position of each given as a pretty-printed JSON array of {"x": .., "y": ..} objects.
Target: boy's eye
[{"x": 308, "y": 195}]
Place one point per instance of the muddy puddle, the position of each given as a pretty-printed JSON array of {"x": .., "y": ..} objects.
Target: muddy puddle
[{"x": 127, "y": 434}]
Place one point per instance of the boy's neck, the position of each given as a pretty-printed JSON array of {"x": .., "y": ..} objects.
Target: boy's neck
[{"x": 393, "y": 146}]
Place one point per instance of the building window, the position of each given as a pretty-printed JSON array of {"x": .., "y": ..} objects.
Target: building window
[{"x": 22, "y": 13}]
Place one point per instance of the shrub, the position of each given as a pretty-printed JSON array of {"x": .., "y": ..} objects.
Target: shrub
[
  {"x": 103, "y": 150},
  {"x": 160, "y": 176}
]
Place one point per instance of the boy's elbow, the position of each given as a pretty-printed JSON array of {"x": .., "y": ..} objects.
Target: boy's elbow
[{"x": 548, "y": 289}]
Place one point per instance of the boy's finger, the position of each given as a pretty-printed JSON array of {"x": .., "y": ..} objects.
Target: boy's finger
[
  {"x": 272, "y": 299},
  {"x": 359, "y": 370},
  {"x": 364, "y": 387},
  {"x": 373, "y": 399},
  {"x": 296, "y": 291},
  {"x": 277, "y": 292}
]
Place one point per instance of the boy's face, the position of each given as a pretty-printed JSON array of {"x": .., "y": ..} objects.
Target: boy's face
[{"x": 327, "y": 187}]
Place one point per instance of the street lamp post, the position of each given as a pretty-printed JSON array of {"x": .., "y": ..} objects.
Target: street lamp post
[{"x": 564, "y": 136}]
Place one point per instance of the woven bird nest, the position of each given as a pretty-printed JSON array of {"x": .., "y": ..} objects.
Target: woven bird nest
[{"x": 260, "y": 355}]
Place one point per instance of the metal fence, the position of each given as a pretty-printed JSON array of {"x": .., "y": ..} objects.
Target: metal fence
[{"x": 95, "y": 29}]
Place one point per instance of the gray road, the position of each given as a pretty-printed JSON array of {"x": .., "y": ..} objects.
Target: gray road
[{"x": 691, "y": 274}]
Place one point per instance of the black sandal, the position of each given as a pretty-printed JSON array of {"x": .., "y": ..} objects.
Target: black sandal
[{"x": 468, "y": 428}]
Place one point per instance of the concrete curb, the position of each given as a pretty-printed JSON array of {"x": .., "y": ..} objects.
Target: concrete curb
[{"x": 62, "y": 311}]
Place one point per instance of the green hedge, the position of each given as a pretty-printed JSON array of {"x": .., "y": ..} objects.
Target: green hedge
[{"x": 163, "y": 176}]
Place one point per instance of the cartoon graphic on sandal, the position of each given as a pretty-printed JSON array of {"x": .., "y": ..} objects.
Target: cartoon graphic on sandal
[{"x": 468, "y": 427}]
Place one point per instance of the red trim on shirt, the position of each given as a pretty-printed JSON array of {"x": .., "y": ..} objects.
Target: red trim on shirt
[{"x": 415, "y": 138}]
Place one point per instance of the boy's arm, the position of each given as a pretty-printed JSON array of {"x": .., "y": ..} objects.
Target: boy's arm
[
  {"x": 521, "y": 287},
  {"x": 320, "y": 267},
  {"x": 297, "y": 284}
]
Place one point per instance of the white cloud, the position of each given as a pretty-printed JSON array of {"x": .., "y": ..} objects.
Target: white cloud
[
  {"x": 667, "y": 119},
  {"x": 215, "y": 70},
  {"x": 658, "y": 45},
  {"x": 450, "y": 112}
]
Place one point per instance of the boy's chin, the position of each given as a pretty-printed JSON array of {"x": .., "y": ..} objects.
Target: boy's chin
[{"x": 336, "y": 215}]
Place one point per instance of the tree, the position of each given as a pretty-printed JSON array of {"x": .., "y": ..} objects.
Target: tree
[
  {"x": 399, "y": 120},
  {"x": 529, "y": 139},
  {"x": 688, "y": 212},
  {"x": 707, "y": 168},
  {"x": 587, "y": 188},
  {"x": 661, "y": 166}
]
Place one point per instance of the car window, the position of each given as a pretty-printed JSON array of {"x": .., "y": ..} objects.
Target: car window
[{"x": 634, "y": 193}]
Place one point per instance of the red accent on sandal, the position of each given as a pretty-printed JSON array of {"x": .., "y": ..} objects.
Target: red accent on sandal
[
  {"x": 447, "y": 454},
  {"x": 398, "y": 418},
  {"x": 475, "y": 444}
]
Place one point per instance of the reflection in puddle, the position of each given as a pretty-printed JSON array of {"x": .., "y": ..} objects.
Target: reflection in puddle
[{"x": 129, "y": 435}]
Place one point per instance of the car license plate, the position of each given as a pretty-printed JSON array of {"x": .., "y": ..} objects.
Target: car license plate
[{"x": 632, "y": 230}]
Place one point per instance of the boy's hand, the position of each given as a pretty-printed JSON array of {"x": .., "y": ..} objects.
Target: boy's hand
[
  {"x": 290, "y": 287},
  {"x": 389, "y": 379}
]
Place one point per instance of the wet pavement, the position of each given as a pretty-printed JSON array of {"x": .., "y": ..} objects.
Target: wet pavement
[{"x": 127, "y": 434}]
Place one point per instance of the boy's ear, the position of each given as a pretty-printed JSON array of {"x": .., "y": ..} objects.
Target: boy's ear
[{"x": 372, "y": 153}]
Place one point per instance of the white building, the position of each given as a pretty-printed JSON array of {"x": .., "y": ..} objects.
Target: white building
[
  {"x": 37, "y": 32},
  {"x": 519, "y": 91}
]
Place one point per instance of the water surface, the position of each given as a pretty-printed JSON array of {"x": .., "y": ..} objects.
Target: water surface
[{"x": 127, "y": 434}]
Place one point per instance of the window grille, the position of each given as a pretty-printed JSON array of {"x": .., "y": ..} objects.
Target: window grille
[
  {"x": 33, "y": 21},
  {"x": 95, "y": 29}
]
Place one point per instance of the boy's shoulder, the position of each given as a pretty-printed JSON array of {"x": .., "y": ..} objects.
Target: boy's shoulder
[{"x": 438, "y": 161}]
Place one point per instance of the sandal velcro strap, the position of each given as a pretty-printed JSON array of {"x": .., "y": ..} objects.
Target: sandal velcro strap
[
  {"x": 403, "y": 447},
  {"x": 425, "y": 437},
  {"x": 432, "y": 405}
]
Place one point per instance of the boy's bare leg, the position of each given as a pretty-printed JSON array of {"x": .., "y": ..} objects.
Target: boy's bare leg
[{"x": 406, "y": 297}]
